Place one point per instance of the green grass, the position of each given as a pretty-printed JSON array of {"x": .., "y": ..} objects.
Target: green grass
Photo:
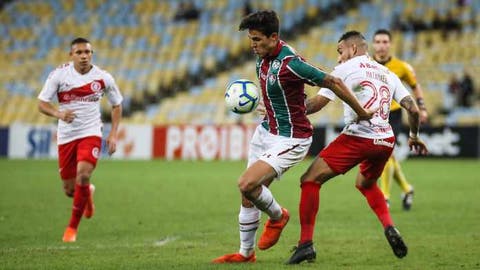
[{"x": 180, "y": 215}]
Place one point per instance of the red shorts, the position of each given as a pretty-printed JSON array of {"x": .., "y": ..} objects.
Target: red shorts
[
  {"x": 83, "y": 149},
  {"x": 346, "y": 151}
]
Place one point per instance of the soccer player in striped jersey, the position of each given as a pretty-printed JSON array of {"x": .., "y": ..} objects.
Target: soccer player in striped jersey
[
  {"x": 78, "y": 87},
  {"x": 381, "y": 46},
  {"x": 284, "y": 137}
]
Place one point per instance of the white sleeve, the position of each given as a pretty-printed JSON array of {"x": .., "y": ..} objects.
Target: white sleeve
[
  {"x": 113, "y": 93},
  {"x": 50, "y": 87},
  {"x": 327, "y": 92},
  {"x": 400, "y": 90}
]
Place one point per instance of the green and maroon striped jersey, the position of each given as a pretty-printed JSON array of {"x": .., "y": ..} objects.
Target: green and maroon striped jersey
[{"x": 282, "y": 76}]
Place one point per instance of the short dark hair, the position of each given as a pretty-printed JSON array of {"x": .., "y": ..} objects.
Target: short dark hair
[
  {"x": 351, "y": 34},
  {"x": 383, "y": 32},
  {"x": 264, "y": 21},
  {"x": 79, "y": 40}
]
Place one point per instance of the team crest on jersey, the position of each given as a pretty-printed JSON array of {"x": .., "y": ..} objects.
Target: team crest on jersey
[
  {"x": 272, "y": 78},
  {"x": 95, "y": 151},
  {"x": 95, "y": 86},
  {"x": 276, "y": 64}
]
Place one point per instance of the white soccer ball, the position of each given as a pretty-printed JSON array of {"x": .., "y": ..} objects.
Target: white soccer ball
[{"x": 242, "y": 96}]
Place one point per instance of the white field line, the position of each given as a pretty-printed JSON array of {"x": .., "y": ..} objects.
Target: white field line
[{"x": 156, "y": 243}]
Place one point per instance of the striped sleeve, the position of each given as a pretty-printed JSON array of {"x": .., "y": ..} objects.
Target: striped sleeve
[{"x": 312, "y": 75}]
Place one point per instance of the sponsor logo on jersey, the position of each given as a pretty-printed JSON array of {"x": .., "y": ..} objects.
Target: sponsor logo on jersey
[
  {"x": 95, "y": 152},
  {"x": 276, "y": 64},
  {"x": 272, "y": 78}
]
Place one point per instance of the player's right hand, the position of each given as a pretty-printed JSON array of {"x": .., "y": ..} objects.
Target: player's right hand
[
  {"x": 369, "y": 113},
  {"x": 417, "y": 145},
  {"x": 67, "y": 116}
]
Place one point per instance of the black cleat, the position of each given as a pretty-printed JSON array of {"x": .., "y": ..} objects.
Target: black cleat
[
  {"x": 396, "y": 242},
  {"x": 407, "y": 200},
  {"x": 304, "y": 252}
]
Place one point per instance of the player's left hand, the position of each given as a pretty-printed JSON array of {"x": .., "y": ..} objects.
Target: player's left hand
[
  {"x": 417, "y": 145},
  {"x": 111, "y": 143},
  {"x": 423, "y": 116}
]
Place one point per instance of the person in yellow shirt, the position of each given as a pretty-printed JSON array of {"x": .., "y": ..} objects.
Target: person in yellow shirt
[{"x": 381, "y": 45}]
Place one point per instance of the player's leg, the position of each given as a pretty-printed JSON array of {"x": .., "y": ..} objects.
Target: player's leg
[
  {"x": 386, "y": 179},
  {"x": 88, "y": 150},
  {"x": 69, "y": 186},
  {"x": 249, "y": 215},
  {"x": 311, "y": 181},
  {"x": 366, "y": 183},
  {"x": 407, "y": 189}
]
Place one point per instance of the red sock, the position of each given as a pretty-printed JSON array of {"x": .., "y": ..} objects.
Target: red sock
[
  {"x": 309, "y": 201},
  {"x": 80, "y": 197},
  {"x": 376, "y": 200}
]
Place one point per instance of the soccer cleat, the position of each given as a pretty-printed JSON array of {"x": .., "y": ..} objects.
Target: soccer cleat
[
  {"x": 407, "y": 200},
  {"x": 396, "y": 242},
  {"x": 70, "y": 235},
  {"x": 90, "y": 207},
  {"x": 272, "y": 230},
  {"x": 235, "y": 258},
  {"x": 303, "y": 252}
]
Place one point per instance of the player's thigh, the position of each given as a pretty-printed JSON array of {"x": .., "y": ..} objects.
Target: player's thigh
[
  {"x": 255, "y": 175},
  {"x": 67, "y": 160},
  {"x": 344, "y": 153},
  {"x": 284, "y": 153},
  {"x": 318, "y": 171},
  {"x": 88, "y": 151},
  {"x": 378, "y": 154}
]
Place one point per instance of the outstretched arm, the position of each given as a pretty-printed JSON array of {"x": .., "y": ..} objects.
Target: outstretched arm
[
  {"x": 340, "y": 89},
  {"x": 414, "y": 123}
]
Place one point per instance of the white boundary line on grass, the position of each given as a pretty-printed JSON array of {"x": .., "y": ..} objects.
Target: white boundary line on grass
[{"x": 158, "y": 243}]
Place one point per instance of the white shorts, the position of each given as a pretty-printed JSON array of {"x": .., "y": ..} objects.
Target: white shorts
[{"x": 278, "y": 151}]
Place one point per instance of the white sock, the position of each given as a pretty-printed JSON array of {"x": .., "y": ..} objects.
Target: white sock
[
  {"x": 268, "y": 204},
  {"x": 248, "y": 221}
]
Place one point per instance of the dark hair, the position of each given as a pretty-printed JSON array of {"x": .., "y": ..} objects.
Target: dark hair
[
  {"x": 78, "y": 41},
  {"x": 383, "y": 32},
  {"x": 264, "y": 21},
  {"x": 351, "y": 34}
]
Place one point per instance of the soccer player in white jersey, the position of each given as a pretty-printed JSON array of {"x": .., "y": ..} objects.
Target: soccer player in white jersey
[
  {"x": 283, "y": 138},
  {"x": 367, "y": 143},
  {"x": 79, "y": 85}
]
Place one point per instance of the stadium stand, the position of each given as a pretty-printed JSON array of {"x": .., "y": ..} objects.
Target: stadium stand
[{"x": 176, "y": 71}]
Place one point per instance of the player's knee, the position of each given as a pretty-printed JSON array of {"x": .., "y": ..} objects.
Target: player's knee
[
  {"x": 83, "y": 178},
  {"x": 318, "y": 176},
  {"x": 245, "y": 185},
  {"x": 69, "y": 191}
]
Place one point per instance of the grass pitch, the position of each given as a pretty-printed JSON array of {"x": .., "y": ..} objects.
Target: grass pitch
[{"x": 181, "y": 215}]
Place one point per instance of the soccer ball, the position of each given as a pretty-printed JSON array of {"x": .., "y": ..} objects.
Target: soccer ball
[{"x": 242, "y": 96}]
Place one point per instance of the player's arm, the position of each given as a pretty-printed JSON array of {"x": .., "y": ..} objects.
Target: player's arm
[
  {"x": 48, "y": 109},
  {"x": 115, "y": 98},
  {"x": 317, "y": 77},
  {"x": 316, "y": 103},
  {"x": 45, "y": 97},
  {"x": 417, "y": 90},
  {"x": 341, "y": 90},
  {"x": 414, "y": 141},
  {"x": 112, "y": 136}
]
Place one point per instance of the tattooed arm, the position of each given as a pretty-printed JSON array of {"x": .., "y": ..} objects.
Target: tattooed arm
[
  {"x": 413, "y": 114},
  {"x": 414, "y": 141},
  {"x": 340, "y": 89}
]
